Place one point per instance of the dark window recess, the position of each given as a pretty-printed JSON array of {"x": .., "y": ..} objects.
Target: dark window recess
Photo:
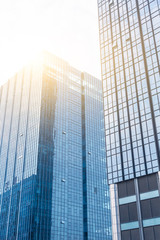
[
  {"x": 148, "y": 183},
  {"x": 125, "y": 235},
  {"x": 126, "y": 189},
  {"x": 130, "y": 188},
  {"x": 146, "y": 209},
  {"x": 128, "y": 213},
  {"x": 148, "y": 233},
  {"x": 155, "y": 206},
  {"x": 135, "y": 235},
  {"x": 95, "y": 190},
  {"x": 143, "y": 184},
  {"x": 150, "y": 208},
  {"x": 122, "y": 189},
  {"x": 133, "y": 212},
  {"x": 152, "y": 182},
  {"x": 124, "y": 213},
  {"x": 157, "y": 232}
]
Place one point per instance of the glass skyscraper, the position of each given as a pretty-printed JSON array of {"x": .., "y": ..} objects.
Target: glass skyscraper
[
  {"x": 130, "y": 59},
  {"x": 53, "y": 180}
]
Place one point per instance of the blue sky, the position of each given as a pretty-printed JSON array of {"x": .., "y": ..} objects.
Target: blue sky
[{"x": 67, "y": 28}]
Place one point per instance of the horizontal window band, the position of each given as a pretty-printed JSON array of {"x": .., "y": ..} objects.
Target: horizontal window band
[
  {"x": 131, "y": 225},
  {"x": 151, "y": 222},
  {"x": 126, "y": 200},
  {"x": 149, "y": 195}
]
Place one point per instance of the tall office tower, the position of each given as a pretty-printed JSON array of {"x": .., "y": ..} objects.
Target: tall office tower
[
  {"x": 130, "y": 59},
  {"x": 52, "y": 155}
]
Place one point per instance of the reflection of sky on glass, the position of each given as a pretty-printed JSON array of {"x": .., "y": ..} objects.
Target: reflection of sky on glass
[{"x": 67, "y": 28}]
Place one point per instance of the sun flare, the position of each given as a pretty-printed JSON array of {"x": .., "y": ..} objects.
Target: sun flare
[{"x": 68, "y": 29}]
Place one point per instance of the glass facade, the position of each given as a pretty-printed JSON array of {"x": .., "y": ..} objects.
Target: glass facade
[
  {"x": 139, "y": 202},
  {"x": 52, "y": 161},
  {"x": 94, "y": 162},
  {"x": 130, "y": 57},
  {"x": 130, "y": 60}
]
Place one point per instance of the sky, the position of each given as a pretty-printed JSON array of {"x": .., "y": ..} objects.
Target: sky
[{"x": 66, "y": 28}]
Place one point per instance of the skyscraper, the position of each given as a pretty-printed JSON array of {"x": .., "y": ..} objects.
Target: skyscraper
[
  {"x": 130, "y": 59},
  {"x": 52, "y": 155}
]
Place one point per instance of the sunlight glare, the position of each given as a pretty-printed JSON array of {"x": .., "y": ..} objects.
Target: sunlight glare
[{"x": 68, "y": 29}]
